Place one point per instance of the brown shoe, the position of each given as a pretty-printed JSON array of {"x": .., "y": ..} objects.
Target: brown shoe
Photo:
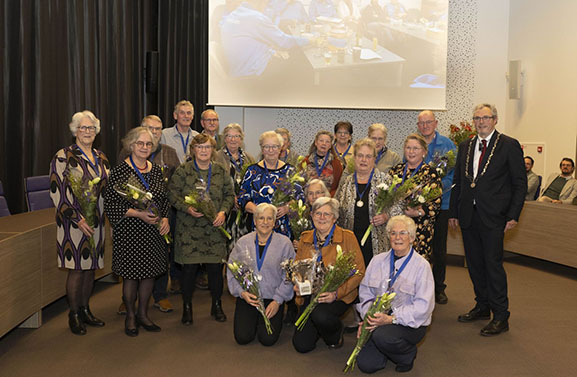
[{"x": 164, "y": 305}]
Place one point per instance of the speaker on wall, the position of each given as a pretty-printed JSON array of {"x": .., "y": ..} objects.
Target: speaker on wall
[
  {"x": 515, "y": 79},
  {"x": 151, "y": 71}
]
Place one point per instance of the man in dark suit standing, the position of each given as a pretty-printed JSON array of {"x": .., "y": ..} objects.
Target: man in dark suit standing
[{"x": 490, "y": 188}]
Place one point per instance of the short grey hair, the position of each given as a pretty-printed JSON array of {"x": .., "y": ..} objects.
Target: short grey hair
[
  {"x": 271, "y": 134},
  {"x": 145, "y": 120},
  {"x": 77, "y": 118},
  {"x": 134, "y": 134},
  {"x": 378, "y": 127},
  {"x": 323, "y": 201},
  {"x": 409, "y": 223},
  {"x": 263, "y": 207},
  {"x": 317, "y": 181},
  {"x": 365, "y": 142},
  {"x": 491, "y": 107},
  {"x": 233, "y": 126}
]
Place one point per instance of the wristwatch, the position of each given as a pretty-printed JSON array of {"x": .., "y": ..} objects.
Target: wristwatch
[{"x": 394, "y": 322}]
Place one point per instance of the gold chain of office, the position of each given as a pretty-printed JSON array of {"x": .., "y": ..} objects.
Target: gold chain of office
[{"x": 474, "y": 180}]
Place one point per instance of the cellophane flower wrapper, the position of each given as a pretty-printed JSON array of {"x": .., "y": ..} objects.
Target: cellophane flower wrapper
[
  {"x": 239, "y": 177},
  {"x": 285, "y": 188},
  {"x": 336, "y": 275},
  {"x": 200, "y": 200},
  {"x": 423, "y": 194},
  {"x": 133, "y": 192},
  {"x": 243, "y": 269},
  {"x": 299, "y": 271},
  {"x": 86, "y": 191},
  {"x": 299, "y": 218},
  {"x": 382, "y": 304},
  {"x": 392, "y": 191},
  {"x": 443, "y": 164}
]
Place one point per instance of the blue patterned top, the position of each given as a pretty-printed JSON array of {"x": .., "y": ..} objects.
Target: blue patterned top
[{"x": 255, "y": 187}]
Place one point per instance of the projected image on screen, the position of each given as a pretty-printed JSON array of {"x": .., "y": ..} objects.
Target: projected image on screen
[{"x": 388, "y": 54}]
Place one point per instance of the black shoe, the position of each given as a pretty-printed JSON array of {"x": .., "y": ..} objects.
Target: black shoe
[
  {"x": 341, "y": 341},
  {"x": 186, "y": 314},
  {"x": 441, "y": 298},
  {"x": 89, "y": 318},
  {"x": 402, "y": 368},
  {"x": 128, "y": 331},
  {"x": 75, "y": 323},
  {"x": 495, "y": 327},
  {"x": 152, "y": 327},
  {"x": 217, "y": 312},
  {"x": 474, "y": 315}
]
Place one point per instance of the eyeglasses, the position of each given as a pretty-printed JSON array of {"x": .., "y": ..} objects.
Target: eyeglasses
[
  {"x": 154, "y": 128},
  {"x": 413, "y": 149},
  {"x": 211, "y": 120},
  {"x": 377, "y": 139},
  {"x": 315, "y": 193},
  {"x": 320, "y": 215},
  {"x": 141, "y": 144},
  {"x": 203, "y": 147},
  {"x": 343, "y": 133},
  {"x": 233, "y": 136},
  {"x": 426, "y": 122},
  {"x": 361, "y": 156},
  {"x": 483, "y": 118},
  {"x": 402, "y": 233},
  {"x": 270, "y": 147},
  {"x": 87, "y": 128}
]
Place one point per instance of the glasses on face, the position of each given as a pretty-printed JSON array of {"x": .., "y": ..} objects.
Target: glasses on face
[
  {"x": 320, "y": 215},
  {"x": 211, "y": 120},
  {"x": 87, "y": 128},
  {"x": 361, "y": 156},
  {"x": 154, "y": 129},
  {"x": 402, "y": 233},
  {"x": 483, "y": 118},
  {"x": 203, "y": 147},
  {"x": 378, "y": 139},
  {"x": 265, "y": 219},
  {"x": 233, "y": 137},
  {"x": 315, "y": 193},
  {"x": 270, "y": 147},
  {"x": 425, "y": 122},
  {"x": 142, "y": 144},
  {"x": 343, "y": 133},
  {"x": 413, "y": 149}
]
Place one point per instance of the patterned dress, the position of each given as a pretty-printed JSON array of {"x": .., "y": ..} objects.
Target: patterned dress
[
  {"x": 258, "y": 186},
  {"x": 426, "y": 223},
  {"x": 330, "y": 174},
  {"x": 139, "y": 251},
  {"x": 196, "y": 240},
  {"x": 73, "y": 247}
]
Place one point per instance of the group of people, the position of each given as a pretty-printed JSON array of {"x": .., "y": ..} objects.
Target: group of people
[{"x": 176, "y": 168}]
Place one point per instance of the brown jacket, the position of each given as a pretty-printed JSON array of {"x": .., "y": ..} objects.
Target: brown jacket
[{"x": 348, "y": 242}]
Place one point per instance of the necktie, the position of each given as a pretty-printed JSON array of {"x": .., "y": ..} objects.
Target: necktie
[{"x": 482, "y": 154}]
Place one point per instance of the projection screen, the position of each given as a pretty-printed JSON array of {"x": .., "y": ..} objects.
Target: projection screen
[{"x": 363, "y": 54}]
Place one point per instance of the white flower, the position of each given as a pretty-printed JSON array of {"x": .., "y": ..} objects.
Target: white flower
[
  {"x": 383, "y": 186},
  {"x": 421, "y": 199},
  {"x": 148, "y": 195}
]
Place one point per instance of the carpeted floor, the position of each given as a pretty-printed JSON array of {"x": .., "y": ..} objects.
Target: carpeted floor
[{"x": 542, "y": 340}]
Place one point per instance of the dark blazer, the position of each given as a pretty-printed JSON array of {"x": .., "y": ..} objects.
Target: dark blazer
[{"x": 499, "y": 194}]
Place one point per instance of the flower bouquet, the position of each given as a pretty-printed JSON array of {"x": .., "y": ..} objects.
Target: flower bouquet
[
  {"x": 299, "y": 218},
  {"x": 422, "y": 194},
  {"x": 139, "y": 198},
  {"x": 200, "y": 200},
  {"x": 336, "y": 275},
  {"x": 249, "y": 281},
  {"x": 238, "y": 180},
  {"x": 443, "y": 164},
  {"x": 86, "y": 191},
  {"x": 382, "y": 304},
  {"x": 308, "y": 274},
  {"x": 462, "y": 133},
  {"x": 286, "y": 187},
  {"x": 387, "y": 195}
]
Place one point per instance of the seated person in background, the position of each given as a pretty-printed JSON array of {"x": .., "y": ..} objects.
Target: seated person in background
[
  {"x": 396, "y": 334},
  {"x": 286, "y": 12},
  {"x": 561, "y": 188},
  {"x": 325, "y": 8},
  {"x": 532, "y": 179}
]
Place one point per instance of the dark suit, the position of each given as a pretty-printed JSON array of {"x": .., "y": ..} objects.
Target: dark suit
[{"x": 483, "y": 211}]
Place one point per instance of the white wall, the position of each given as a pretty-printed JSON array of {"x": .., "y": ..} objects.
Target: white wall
[{"x": 541, "y": 35}]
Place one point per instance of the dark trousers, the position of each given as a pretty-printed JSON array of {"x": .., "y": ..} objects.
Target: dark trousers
[
  {"x": 440, "y": 250},
  {"x": 249, "y": 324},
  {"x": 390, "y": 342},
  {"x": 324, "y": 322},
  {"x": 215, "y": 280},
  {"x": 484, "y": 255}
]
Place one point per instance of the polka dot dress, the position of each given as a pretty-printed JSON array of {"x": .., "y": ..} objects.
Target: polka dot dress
[{"x": 139, "y": 251}]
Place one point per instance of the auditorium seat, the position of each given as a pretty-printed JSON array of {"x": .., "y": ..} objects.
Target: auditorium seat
[
  {"x": 38, "y": 192},
  {"x": 4, "y": 210}
]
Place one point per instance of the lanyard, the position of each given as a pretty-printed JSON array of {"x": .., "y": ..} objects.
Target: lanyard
[
  {"x": 320, "y": 171},
  {"x": 209, "y": 173},
  {"x": 415, "y": 172},
  {"x": 266, "y": 167},
  {"x": 238, "y": 166},
  {"x": 95, "y": 165},
  {"x": 327, "y": 241},
  {"x": 366, "y": 187},
  {"x": 139, "y": 174},
  {"x": 344, "y": 154},
  {"x": 285, "y": 157},
  {"x": 392, "y": 276},
  {"x": 153, "y": 154},
  {"x": 432, "y": 148},
  {"x": 184, "y": 144},
  {"x": 380, "y": 154},
  {"x": 259, "y": 259}
]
